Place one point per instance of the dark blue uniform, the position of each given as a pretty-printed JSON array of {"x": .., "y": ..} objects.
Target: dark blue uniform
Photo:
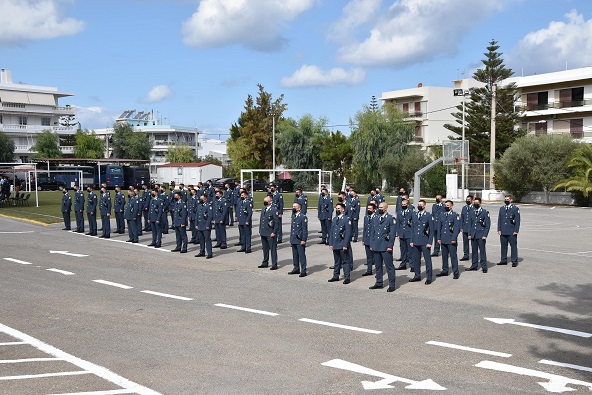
[
  {"x": 66, "y": 209},
  {"x": 404, "y": 232},
  {"x": 302, "y": 200},
  {"x": 179, "y": 216},
  {"x": 164, "y": 222},
  {"x": 437, "y": 209},
  {"x": 339, "y": 238},
  {"x": 423, "y": 234},
  {"x": 204, "y": 215},
  {"x": 448, "y": 235},
  {"x": 118, "y": 207},
  {"x": 132, "y": 211},
  {"x": 383, "y": 240},
  {"x": 367, "y": 240},
  {"x": 269, "y": 223},
  {"x": 220, "y": 219},
  {"x": 298, "y": 234},
  {"x": 145, "y": 200},
  {"x": 324, "y": 211},
  {"x": 354, "y": 216},
  {"x": 78, "y": 209},
  {"x": 480, "y": 225},
  {"x": 278, "y": 201},
  {"x": 508, "y": 226},
  {"x": 465, "y": 225},
  {"x": 229, "y": 197},
  {"x": 192, "y": 202},
  {"x": 91, "y": 213},
  {"x": 140, "y": 213},
  {"x": 154, "y": 217},
  {"x": 105, "y": 210},
  {"x": 245, "y": 222}
]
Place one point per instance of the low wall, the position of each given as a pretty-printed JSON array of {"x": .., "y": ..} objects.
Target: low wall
[{"x": 554, "y": 198}]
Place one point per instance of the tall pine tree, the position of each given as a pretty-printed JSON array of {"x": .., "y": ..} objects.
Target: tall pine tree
[{"x": 478, "y": 109}]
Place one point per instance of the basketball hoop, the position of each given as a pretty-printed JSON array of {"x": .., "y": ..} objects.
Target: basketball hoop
[{"x": 457, "y": 160}]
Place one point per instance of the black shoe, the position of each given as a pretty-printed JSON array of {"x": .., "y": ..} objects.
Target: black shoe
[
  {"x": 294, "y": 272},
  {"x": 280, "y": 241},
  {"x": 471, "y": 269},
  {"x": 209, "y": 257},
  {"x": 238, "y": 244},
  {"x": 391, "y": 289},
  {"x": 320, "y": 231},
  {"x": 223, "y": 247},
  {"x": 107, "y": 237},
  {"x": 200, "y": 255},
  {"x": 355, "y": 241},
  {"x": 332, "y": 280},
  {"x": 502, "y": 263},
  {"x": 367, "y": 274},
  {"x": 100, "y": 230},
  {"x": 262, "y": 266},
  {"x": 65, "y": 228},
  {"x": 135, "y": 241},
  {"x": 129, "y": 241},
  {"x": 456, "y": 276},
  {"x": 515, "y": 264},
  {"x": 415, "y": 279},
  {"x": 241, "y": 250},
  {"x": 442, "y": 274},
  {"x": 176, "y": 250},
  {"x": 273, "y": 268},
  {"x": 157, "y": 246},
  {"x": 346, "y": 281},
  {"x": 79, "y": 231},
  {"x": 464, "y": 259},
  {"x": 216, "y": 246},
  {"x": 101, "y": 236},
  {"x": 247, "y": 251},
  {"x": 93, "y": 234},
  {"x": 321, "y": 242},
  {"x": 88, "y": 234},
  {"x": 412, "y": 270},
  {"x": 434, "y": 254},
  {"x": 428, "y": 282},
  {"x": 376, "y": 287},
  {"x": 484, "y": 270},
  {"x": 401, "y": 267},
  {"x": 151, "y": 244},
  {"x": 399, "y": 260},
  {"x": 183, "y": 251},
  {"x": 331, "y": 267},
  {"x": 164, "y": 233},
  {"x": 303, "y": 274}
]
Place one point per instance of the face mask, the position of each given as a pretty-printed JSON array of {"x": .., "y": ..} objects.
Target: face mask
[
  {"x": 476, "y": 205},
  {"x": 272, "y": 190},
  {"x": 338, "y": 212},
  {"x": 400, "y": 193},
  {"x": 294, "y": 210},
  {"x": 297, "y": 195},
  {"x": 468, "y": 202},
  {"x": 448, "y": 208},
  {"x": 265, "y": 203},
  {"x": 438, "y": 200},
  {"x": 369, "y": 212},
  {"x": 380, "y": 211},
  {"x": 404, "y": 207},
  {"x": 420, "y": 208},
  {"x": 340, "y": 199},
  {"x": 243, "y": 197},
  {"x": 507, "y": 202},
  {"x": 323, "y": 194}
]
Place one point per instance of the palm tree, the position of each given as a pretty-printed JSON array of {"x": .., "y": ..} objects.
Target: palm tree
[{"x": 581, "y": 166}]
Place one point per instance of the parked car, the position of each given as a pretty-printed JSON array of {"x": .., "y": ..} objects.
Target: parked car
[
  {"x": 49, "y": 184},
  {"x": 284, "y": 185},
  {"x": 259, "y": 184},
  {"x": 221, "y": 182}
]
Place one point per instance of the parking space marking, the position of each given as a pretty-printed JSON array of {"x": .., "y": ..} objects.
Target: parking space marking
[
  {"x": 64, "y": 272},
  {"x": 41, "y": 375},
  {"x": 122, "y": 241},
  {"x": 110, "y": 392},
  {"x": 30, "y": 360},
  {"x": 351, "y": 328},
  {"x": 471, "y": 349},
  {"x": 17, "y": 261},
  {"x": 166, "y": 295},
  {"x": 12, "y": 343},
  {"x": 565, "y": 365},
  {"x": 113, "y": 284},
  {"x": 228, "y": 306}
]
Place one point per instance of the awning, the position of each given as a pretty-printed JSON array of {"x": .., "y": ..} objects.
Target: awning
[
  {"x": 43, "y": 99},
  {"x": 14, "y": 97}
]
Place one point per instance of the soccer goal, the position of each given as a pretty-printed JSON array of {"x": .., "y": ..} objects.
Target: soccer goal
[{"x": 323, "y": 177}]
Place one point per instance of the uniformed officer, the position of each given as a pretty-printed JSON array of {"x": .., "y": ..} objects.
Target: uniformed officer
[
  {"x": 66, "y": 208},
  {"x": 324, "y": 211},
  {"x": 508, "y": 226},
  {"x": 183, "y": 192},
  {"x": 172, "y": 205},
  {"x": 298, "y": 237},
  {"x": 235, "y": 199},
  {"x": 138, "y": 199},
  {"x": 479, "y": 230},
  {"x": 154, "y": 217},
  {"x": 354, "y": 214},
  {"x": 118, "y": 207},
  {"x": 278, "y": 201},
  {"x": 339, "y": 237},
  {"x": 192, "y": 203},
  {"x": 164, "y": 222},
  {"x": 465, "y": 226},
  {"x": 421, "y": 241},
  {"x": 382, "y": 242},
  {"x": 204, "y": 216},
  {"x": 209, "y": 191},
  {"x": 220, "y": 218},
  {"x": 91, "y": 211},
  {"x": 132, "y": 211},
  {"x": 346, "y": 199},
  {"x": 146, "y": 200},
  {"x": 367, "y": 237},
  {"x": 79, "y": 209},
  {"x": 402, "y": 191},
  {"x": 378, "y": 198},
  {"x": 269, "y": 224},
  {"x": 437, "y": 209},
  {"x": 371, "y": 197},
  {"x": 301, "y": 199},
  {"x": 229, "y": 197},
  {"x": 105, "y": 210},
  {"x": 405, "y": 232},
  {"x": 244, "y": 216},
  {"x": 448, "y": 239},
  {"x": 180, "y": 223}
]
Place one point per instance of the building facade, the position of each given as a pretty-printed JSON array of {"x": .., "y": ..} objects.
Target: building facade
[{"x": 27, "y": 110}]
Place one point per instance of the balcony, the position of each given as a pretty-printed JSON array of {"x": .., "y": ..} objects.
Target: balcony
[
  {"x": 37, "y": 128},
  {"x": 26, "y": 149},
  {"x": 18, "y": 108},
  {"x": 554, "y": 105}
]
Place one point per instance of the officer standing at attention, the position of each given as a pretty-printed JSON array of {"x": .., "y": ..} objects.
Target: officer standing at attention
[
  {"x": 354, "y": 214},
  {"x": 204, "y": 216},
  {"x": 382, "y": 242},
  {"x": 244, "y": 217},
  {"x": 448, "y": 239},
  {"x": 154, "y": 217},
  {"x": 180, "y": 223},
  {"x": 235, "y": 200},
  {"x": 164, "y": 222},
  {"x": 465, "y": 226},
  {"x": 278, "y": 201},
  {"x": 146, "y": 198},
  {"x": 402, "y": 192},
  {"x": 339, "y": 244},
  {"x": 118, "y": 207},
  {"x": 269, "y": 225},
  {"x": 437, "y": 209},
  {"x": 371, "y": 197},
  {"x": 78, "y": 209},
  {"x": 105, "y": 210},
  {"x": 508, "y": 226},
  {"x": 192, "y": 203},
  {"x": 91, "y": 211},
  {"x": 66, "y": 208},
  {"x": 421, "y": 241},
  {"x": 183, "y": 192},
  {"x": 378, "y": 198},
  {"x": 130, "y": 215},
  {"x": 220, "y": 218},
  {"x": 367, "y": 237},
  {"x": 404, "y": 232},
  {"x": 302, "y": 200},
  {"x": 172, "y": 202},
  {"x": 480, "y": 224},
  {"x": 229, "y": 197},
  {"x": 138, "y": 199},
  {"x": 298, "y": 237},
  {"x": 324, "y": 211}
]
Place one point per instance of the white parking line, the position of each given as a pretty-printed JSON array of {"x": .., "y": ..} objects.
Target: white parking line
[
  {"x": 64, "y": 272},
  {"x": 11, "y": 343},
  {"x": 565, "y": 365},
  {"x": 36, "y": 376},
  {"x": 166, "y": 295},
  {"x": 477, "y": 350},
  {"x": 29, "y": 360},
  {"x": 111, "y": 392},
  {"x": 113, "y": 284},
  {"x": 228, "y": 306},
  {"x": 17, "y": 261},
  {"x": 123, "y": 241},
  {"x": 351, "y": 328}
]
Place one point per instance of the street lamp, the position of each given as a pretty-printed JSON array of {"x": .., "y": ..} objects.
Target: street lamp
[
  {"x": 273, "y": 144},
  {"x": 464, "y": 94}
]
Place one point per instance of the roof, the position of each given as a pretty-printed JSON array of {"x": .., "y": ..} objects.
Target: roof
[
  {"x": 194, "y": 164},
  {"x": 87, "y": 160}
]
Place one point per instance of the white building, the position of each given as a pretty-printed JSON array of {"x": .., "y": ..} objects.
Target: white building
[
  {"x": 188, "y": 173},
  {"x": 216, "y": 148},
  {"x": 27, "y": 110}
]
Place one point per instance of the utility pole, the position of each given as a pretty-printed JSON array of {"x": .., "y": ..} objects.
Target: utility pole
[
  {"x": 492, "y": 134},
  {"x": 273, "y": 143}
]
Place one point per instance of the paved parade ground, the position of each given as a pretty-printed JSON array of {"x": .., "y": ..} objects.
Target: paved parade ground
[{"x": 83, "y": 315}]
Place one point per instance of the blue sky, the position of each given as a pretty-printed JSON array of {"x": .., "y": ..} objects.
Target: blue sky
[{"x": 194, "y": 62}]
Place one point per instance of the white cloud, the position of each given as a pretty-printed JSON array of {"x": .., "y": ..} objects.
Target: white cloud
[
  {"x": 355, "y": 13},
  {"x": 157, "y": 94},
  {"x": 549, "y": 49},
  {"x": 24, "y": 20},
  {"x": 253, "y": 23},
  {"x": 94, "y": 117},
  {"x": 311, "y": 75},
  {"x": 412, "y": 31}
]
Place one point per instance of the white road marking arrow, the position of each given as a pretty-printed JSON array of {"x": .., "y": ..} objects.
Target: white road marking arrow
[
  {"x": 545, "y": 328},
  {"x": 67, "y": 253},
  {"x": 555, "y": 384},
  {"x": 387, "y": 379}
]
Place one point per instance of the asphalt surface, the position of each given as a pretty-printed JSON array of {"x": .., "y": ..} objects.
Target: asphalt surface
[{"x": 193, "y": 340}]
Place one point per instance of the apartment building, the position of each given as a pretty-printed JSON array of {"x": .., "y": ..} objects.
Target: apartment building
[{"x": 27, "y": 110}]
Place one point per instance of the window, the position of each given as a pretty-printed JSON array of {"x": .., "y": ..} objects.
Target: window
[
  {"x": 406, "y": 108},
  {"x": 45, "y": 121},
  {"x": 540, "y": 128},
  {"x": 537, "y": 101},
  {"x": 22, "y": 120},
  {"x": 417, "y": 108},
  {"x": 576, "y": 128},
  {"x": 572, "y": 97}
]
